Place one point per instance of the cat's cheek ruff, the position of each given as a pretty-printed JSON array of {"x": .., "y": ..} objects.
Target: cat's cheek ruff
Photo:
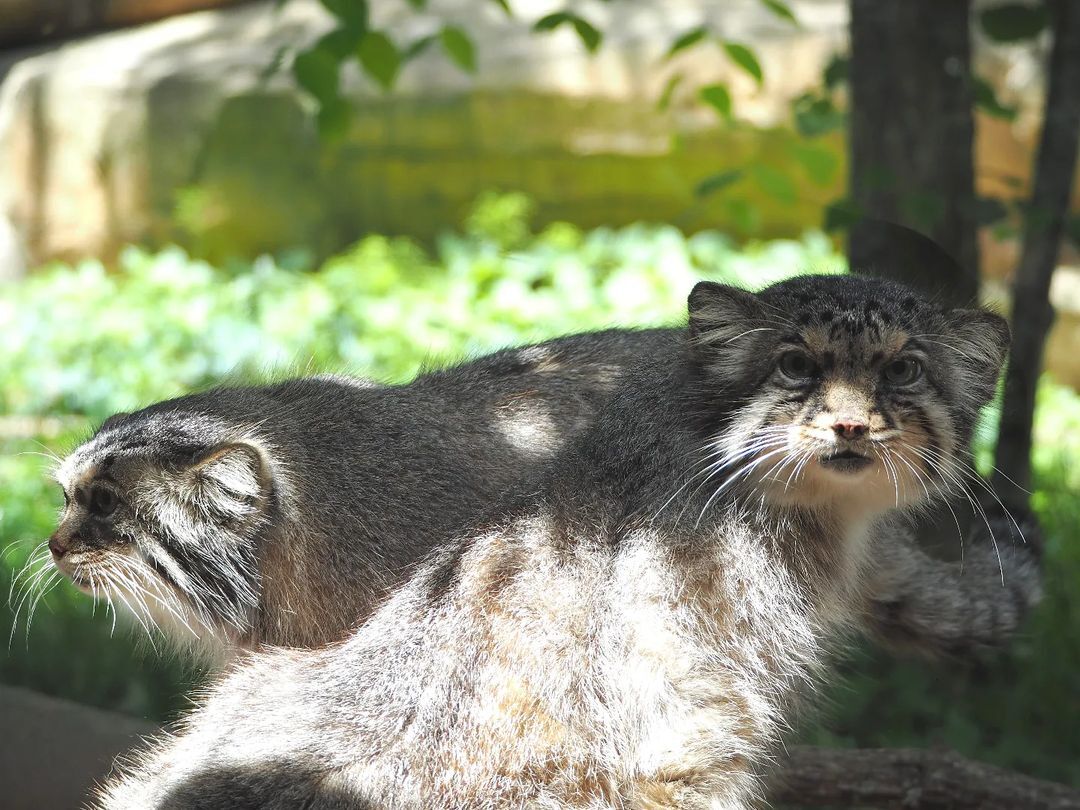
[
  {"x": 220, "y": 581},
  {"x": 204, "y": 576},
  {"x": 202, "y": 536},
  {"x": 750, "y": 437}
]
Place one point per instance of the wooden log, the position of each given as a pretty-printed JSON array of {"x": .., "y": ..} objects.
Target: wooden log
[
  {"x": 28, "y": 22},
  {"x": 909, "y": 779}
]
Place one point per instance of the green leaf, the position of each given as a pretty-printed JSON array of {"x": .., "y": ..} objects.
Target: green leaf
[
  {"x": 781, "y": 10},
  {"x": 416, "y": 48},
  {"x": 379, "y": 57},
  {"x": 419, "y": 5},
  {"x": 1012, "y": 22},
  {"x": 987, "y": 101},
  {"x": 922, "y": 209},
  {"x": 717, "y": 97},
  {"x": 746, "y": 215},
  {"x": 585, "y": 30},
  {"x": 339, "y": 42},
  {"x": 988, "y": 210},
  {"x": 589, "y": 35},
  {"x": 687, "y": 40},
  {"x": 353, "y": 14},
  {"x": 275, "y": 64},
  {"x": 715, "y": 182},
  {"x": 774, "y": 183},
  {"x": 816, "y": 115},
  {"x": 836, "y": 72},
  {"x": 1072, "y": 228},
  {"x": 669, "y": 92},
  {"x": 819, "y": 163},
  {"x": 1004, "y": 231},
  {"x": 458, "y": 47},
  {"x": 505, "y": 6},
  {"x": 744, "y": 58},
  {"x": 552, "y": 21},
  {"x": 316, "y": 70}
]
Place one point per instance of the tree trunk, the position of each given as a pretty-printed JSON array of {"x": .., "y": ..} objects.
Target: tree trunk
[
  {"x": 1055, "y": 168},
  {"x": 911, "y": 140}
]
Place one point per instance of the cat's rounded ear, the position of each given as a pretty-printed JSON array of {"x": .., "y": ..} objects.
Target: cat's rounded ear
[
  {"x": 980, "y": 340},
  {"x": 719, "y": 313},
  {"x": 231, "y": 481}
]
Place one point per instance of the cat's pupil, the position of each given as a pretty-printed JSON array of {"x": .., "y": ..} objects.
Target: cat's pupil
[
  {"x": 797, "y": 365},
  {"x": 903, "y": 372},
  {"x": 103, "y": 501}
]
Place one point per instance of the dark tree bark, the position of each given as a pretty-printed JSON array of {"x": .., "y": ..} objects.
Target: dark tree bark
[
  {"x": 907, "y": 779},
  {"x": 1055, "y": 168},
  {"x": 911, "y": 139}
]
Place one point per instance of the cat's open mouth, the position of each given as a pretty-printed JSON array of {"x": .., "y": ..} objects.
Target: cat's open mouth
[{"x": 846, "y": 461}]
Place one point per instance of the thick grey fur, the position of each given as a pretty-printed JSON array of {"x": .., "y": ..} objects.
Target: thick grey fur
[
  {"x": 625, "y": 636},
  {"x": 342, "y": 486}
]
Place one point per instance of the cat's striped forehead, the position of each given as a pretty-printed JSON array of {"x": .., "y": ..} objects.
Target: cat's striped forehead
[
  {"x": 847, "y": 323},
  {"x": 847, "y": 305},
  {"x": 163, "y": 437},
  {"x": 841, "y": 347}
]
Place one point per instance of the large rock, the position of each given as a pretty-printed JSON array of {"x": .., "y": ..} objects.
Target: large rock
[{"x": 183, "y": 130}]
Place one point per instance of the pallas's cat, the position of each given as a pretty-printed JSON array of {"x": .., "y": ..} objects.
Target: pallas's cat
[
  {"x": 634, "y": 633},
  {"x": 280, "y": 514}
]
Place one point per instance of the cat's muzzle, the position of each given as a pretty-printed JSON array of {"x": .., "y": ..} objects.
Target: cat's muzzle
[{"x": 845, "y": 461}]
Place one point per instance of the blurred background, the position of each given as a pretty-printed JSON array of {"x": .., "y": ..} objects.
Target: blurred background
[{"x": 197, "y": 191}]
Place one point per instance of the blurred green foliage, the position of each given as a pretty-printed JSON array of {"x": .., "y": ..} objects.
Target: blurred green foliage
[{"x": 84, "y": 342}]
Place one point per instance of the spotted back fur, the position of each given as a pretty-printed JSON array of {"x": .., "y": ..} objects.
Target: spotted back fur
[{"x": 281, "y": 514}]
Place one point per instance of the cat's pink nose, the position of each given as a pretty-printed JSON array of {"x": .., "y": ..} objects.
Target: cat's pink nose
[
  {"x": 57, "y": 548},
  {"x": 849, "y": 428}
]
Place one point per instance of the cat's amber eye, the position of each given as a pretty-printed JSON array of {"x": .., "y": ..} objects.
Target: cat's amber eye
[
  {"x": 797, "y": 366},
  {"x": 903, "y": 371},
  {"x": 103, "y": 502}
]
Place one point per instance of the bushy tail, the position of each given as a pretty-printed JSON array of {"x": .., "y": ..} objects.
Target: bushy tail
[{"x": 921, "y": 604}]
